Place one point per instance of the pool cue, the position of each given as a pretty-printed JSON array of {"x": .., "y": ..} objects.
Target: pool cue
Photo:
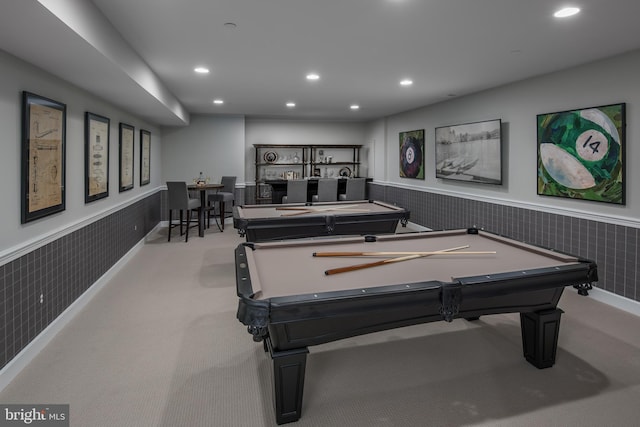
[
  {"x": 383, "y": 262},
  {"x": 306, "y": 211},
  {"x": 311, "y": 207},
  {"x": 374, "y": 254}
]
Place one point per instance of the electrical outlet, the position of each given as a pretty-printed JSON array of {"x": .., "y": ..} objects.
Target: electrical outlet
[
  {"x": 135, "y": 227},
  {"x": 41, "y": 298}
]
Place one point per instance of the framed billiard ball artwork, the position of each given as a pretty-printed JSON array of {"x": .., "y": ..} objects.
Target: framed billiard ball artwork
[
  {"x": 581, "y": 154},
  {"x": 412, "y": 154},
  {"x": 470, "y": 152}
]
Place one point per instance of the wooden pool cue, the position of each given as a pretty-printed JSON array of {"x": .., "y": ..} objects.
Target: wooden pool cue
[
  {"x": 386, "y": 254},
  {"x": 384, "y": 261}
]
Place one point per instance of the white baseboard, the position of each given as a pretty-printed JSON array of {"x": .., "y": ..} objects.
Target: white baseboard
[
  {"x": 22, "y": 359},
  {"x": 616, "y": 301}
]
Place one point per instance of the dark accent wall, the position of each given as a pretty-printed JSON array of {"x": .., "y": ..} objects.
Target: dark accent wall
[
  {"x": 613, "y": 247},
  {"x": 64, "y": 269}
]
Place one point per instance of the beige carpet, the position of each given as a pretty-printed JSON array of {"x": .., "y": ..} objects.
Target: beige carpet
[{"x": 160, "y": 346}]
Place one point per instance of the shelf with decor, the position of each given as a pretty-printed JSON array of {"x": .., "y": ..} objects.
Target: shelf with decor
[{"x": 281, "y": 162}]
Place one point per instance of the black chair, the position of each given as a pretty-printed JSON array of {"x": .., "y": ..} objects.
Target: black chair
[
  {"x": 225, "y": 195},
  {"x": 327, "y": 191},
  {"x": 356, "y": 189},
  {"x": 296, "y": 191},
  {"x": 178, "y": 199}
]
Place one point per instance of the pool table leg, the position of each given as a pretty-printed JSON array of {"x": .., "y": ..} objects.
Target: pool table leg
[
  {"x": 540, "y": 336},
  {"x": 288, "y": 382}
]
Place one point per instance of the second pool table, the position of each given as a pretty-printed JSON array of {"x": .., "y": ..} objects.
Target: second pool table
[
  {"x": 260, "y": 223},
  {"x": 287, "y": 300}
]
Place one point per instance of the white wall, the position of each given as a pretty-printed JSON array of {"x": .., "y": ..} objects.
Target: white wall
[
  {"x": 17, "y": 76},
  {"x": 213, "y": 145},
  {"x": 265, "y": 131},
  {"x": 605, "y": 82}
]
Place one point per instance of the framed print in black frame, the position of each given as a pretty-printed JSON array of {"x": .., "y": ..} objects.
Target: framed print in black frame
[
  {"x": 125, "y": 170},
  {"x": 96, "y": 161},
  {"x": 470, "y": 152},
  {"x": 145, "y": 157},
  {"x": 43, "y": 157},
  {"x": 412, "y": 154},
  {"x": 581, "y": 154}
]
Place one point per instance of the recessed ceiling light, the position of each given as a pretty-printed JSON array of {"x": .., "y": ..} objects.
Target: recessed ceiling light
[
  {"x": 567, "y": 11},
  {"x": 291, "y": 104},
  {"x": 406, "y": 82},
  {"x": 312, "y": 76},
  {"x": 201, "y": 70},
  {"x": 218, "y": 101},
  {"x": 355, "y": 107}
]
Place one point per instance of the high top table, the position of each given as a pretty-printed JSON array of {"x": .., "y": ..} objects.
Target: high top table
[{"x": 202, "y": 189}]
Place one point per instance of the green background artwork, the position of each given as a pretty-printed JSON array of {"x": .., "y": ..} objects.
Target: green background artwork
[{"x": 581, "y": 153}]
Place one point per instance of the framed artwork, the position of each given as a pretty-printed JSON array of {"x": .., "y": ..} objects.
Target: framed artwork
[
  {"x": 412, "y": 154},
  {"x": 581, "y": 154},
  {"x": 96, "y": 161},
  {"x": 126, "y": 157},
  {"x": 470, "y": 152},
  {"x": 43, "y": 157},
  {"x": 145, "y": 157}
]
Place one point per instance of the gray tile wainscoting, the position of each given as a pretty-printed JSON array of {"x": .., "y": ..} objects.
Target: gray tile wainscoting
[
  {"x": 63, "y": 269},
  {"x": 613, "y": 247}
]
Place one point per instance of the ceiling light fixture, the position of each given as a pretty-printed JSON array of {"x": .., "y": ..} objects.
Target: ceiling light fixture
[
  {"x": 567, "y": 11},
  {"x": 313, "y": 76},
  {"x": 218, "y": 101},
  {"x": 355, "y": 107},
  {"x": 201, "y": 70},
  {"x": 406, "y": 82},
  {"x": 291, "y": 104}
]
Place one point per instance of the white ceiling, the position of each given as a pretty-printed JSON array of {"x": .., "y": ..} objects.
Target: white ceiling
[{"x": 140, "y": 54}]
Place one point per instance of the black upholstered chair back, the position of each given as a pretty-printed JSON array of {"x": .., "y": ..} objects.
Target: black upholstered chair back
[
  {"x": 327, "y": 190},
  {"x": 356, "y": 189},
  {"x": 178, "y": 197},
  {"x": 296, "y": 191}
]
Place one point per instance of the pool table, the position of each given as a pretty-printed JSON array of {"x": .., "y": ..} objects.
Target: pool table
[
  {"x": 260, "y": 223},
  {"x": 288, "y": 302}
]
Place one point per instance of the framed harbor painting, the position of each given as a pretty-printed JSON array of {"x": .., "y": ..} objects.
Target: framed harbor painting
[
  {"x": 43, "y": 156},
  {"x": 96, "y": 161},
  {"x": 581, "y": 154},
  {"x": 470, "y": 152},
  {"x": 412, "y": 154}
]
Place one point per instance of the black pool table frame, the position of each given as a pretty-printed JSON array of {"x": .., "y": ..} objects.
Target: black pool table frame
[
  {"x": 287, "y": 325},
  {"x": 331, "y": 223}
]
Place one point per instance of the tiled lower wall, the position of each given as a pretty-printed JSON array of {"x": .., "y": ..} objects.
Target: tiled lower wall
[
  {"x": 62, "y": 270},
  {"x": 613, "y": 247}
]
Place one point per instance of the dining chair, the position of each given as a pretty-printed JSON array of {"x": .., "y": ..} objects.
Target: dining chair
[
  {"x": 356, "y": 189},
  {"x": 225, "y": 195},
  {"x": 296, "y": 191},
  {"x": 327, "y": 191},
  {"x": 178, "y": 199}
]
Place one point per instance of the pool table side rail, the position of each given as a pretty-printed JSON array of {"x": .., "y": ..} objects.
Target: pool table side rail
[
  {"x": 311, "y": 319},
  {"x": 331, "y": 223}
]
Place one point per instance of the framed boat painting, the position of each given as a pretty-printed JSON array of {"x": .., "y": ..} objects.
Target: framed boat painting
[{"x": 470, "y": 152}]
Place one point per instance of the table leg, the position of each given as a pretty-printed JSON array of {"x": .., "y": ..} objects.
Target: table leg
[
  {"x": 221, "y": 215},
  {"x": 203, "y": 201},
  {"x": 288, "y": 381}
]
